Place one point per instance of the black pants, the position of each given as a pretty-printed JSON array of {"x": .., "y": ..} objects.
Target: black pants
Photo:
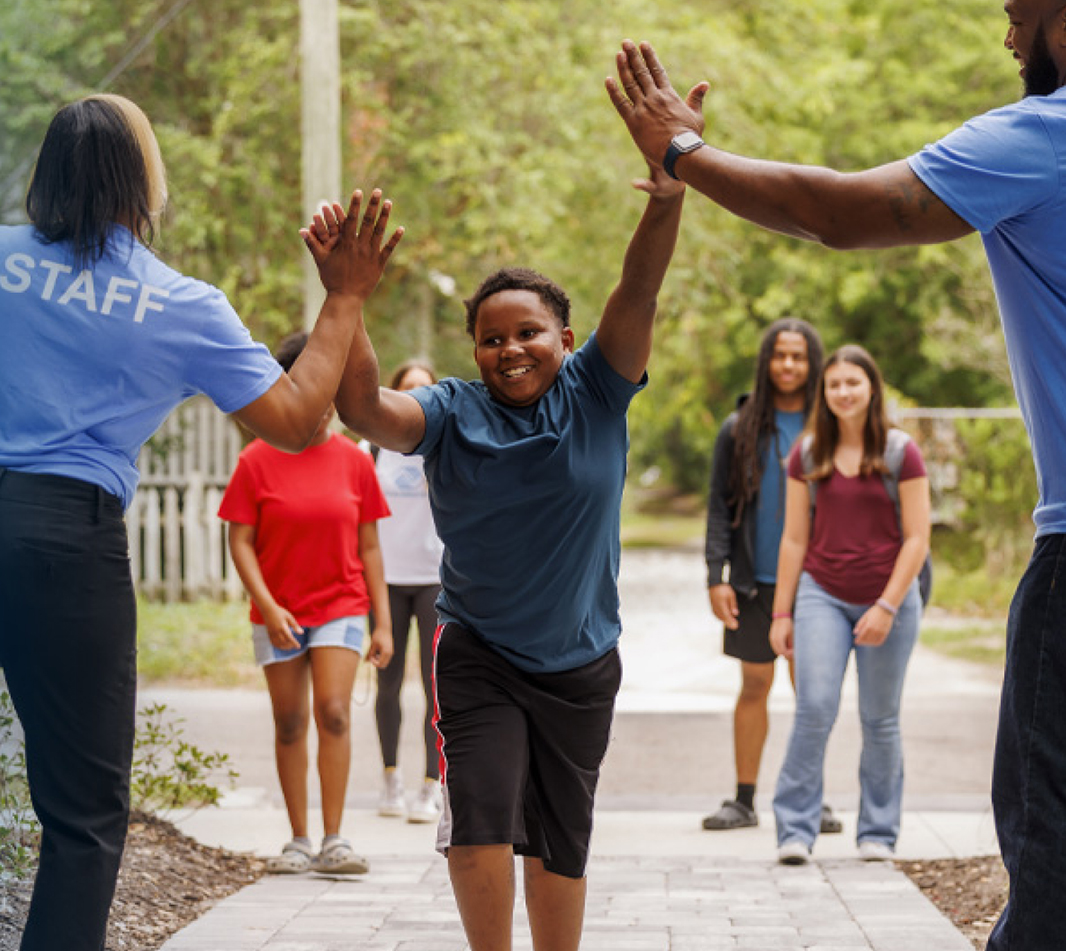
[
  {"x": 405, "y": 602},
  {"x": 1029, "y": 772},
  {"x": 68, "y": 649}
]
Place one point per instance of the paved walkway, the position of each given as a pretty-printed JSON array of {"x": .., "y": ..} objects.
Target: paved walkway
[
  {"x": 656, "y": 881},
  {"x": 634, "y": 904}
]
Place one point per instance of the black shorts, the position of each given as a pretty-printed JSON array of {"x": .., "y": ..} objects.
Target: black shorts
[
  {"x": 751, "y": 640},
  {"x": 520, "y": 752}
]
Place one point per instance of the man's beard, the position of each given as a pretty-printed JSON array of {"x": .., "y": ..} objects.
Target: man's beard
[{"x": 1041, "y": 73}]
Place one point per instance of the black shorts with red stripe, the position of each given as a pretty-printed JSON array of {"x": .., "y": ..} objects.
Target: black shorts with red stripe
[{"x": 520, "y": 751}]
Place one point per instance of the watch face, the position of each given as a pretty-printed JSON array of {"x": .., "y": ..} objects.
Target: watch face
[{"x": 687, "y": 141}]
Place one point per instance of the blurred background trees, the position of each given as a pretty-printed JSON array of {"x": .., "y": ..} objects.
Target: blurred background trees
[{"x": 487, "y": 123}]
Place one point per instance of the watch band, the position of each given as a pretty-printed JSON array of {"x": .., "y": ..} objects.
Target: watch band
[{"x": 680, "y": 145}]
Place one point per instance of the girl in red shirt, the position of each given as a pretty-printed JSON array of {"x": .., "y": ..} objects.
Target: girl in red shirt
[{"x": 304, "y": 539}]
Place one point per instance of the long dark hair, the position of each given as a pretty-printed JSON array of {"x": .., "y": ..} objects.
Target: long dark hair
[
  {"x": 755, "y": 418},
  {"x": 825, "y": 429},
  {"x": 99, "y": 166}
]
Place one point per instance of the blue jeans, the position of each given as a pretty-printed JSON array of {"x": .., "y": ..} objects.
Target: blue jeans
[
  {"x": 823, "y": 643},
  {"x": 1029, "y": 773}
]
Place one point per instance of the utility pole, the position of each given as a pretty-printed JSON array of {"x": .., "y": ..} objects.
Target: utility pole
[{"x": 320, "y": 84}]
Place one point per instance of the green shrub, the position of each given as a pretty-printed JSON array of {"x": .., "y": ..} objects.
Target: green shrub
[
  {"x": 19, "y": 830},
  {"x": 168, "y": 773}
]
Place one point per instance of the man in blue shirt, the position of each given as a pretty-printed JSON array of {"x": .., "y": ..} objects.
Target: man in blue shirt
[
  {"x": 1002, "y": 174},
  {"x": 525, "y": 469}
]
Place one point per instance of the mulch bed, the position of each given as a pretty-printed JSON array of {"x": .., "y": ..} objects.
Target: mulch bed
[
  {"x": 971, "y": 892},
  {"x": 169, "y": 880}
]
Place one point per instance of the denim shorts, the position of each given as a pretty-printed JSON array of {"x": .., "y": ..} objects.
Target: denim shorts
[{"x": 350, "y": 632}]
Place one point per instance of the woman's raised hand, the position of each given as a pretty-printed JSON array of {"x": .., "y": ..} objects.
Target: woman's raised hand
[{"x": 348, "y": 246}]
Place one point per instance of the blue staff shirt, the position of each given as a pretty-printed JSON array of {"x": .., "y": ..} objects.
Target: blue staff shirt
[
  {"x": 93, "y": 361},
  {"x": 1004, "y": 173}
]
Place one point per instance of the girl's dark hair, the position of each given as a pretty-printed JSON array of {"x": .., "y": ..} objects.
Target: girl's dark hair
[
  {"x": 519, "y": 279},
  {"x": 825, "y": 430},
  {"x": 99, "y": 166},
  {"x": 290, "y": 348},
  {"x": 406, "y": 367},
  {"x": 755, "y": 418}
]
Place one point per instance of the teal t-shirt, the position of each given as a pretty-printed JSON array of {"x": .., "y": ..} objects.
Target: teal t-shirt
[
  {"x": 770, "y": 504},
  {"x": 526, "y": 501}
]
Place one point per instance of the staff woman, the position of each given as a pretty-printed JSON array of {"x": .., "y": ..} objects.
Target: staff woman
[
  {"x": 101, "y": 341},
  {"x": 856, "y": 535}
]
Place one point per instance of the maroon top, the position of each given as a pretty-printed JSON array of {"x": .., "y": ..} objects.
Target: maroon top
[{"x": 855, "y": 538}]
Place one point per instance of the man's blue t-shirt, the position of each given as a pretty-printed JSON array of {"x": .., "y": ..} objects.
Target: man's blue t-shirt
[
  {"x": 1004, "y": 173},
  {"x": 526, "y": 501},
  {"x": 93, "y": 361},
  {"x": 770, "y": 505}
]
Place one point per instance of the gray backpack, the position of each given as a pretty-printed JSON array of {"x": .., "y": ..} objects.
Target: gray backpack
[{"x": 895, "y": 448}]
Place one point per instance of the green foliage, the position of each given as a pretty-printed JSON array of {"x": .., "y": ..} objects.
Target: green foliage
[
  {"x": 487, "y": 122},
  {"x": 998, "y": 485},
  {"x": 169, "y": 772},
  {"x": 19, "y": 830}
]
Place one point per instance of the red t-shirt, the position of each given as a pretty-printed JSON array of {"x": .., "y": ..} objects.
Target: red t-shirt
[
  {"x": 307, "y": 509},
  {"x": 855, "y": 538}
]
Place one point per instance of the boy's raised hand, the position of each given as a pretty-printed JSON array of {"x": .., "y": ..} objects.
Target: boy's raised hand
[
  {"x": 658, "y": 184},
  {"x": 347, "y": 247}
]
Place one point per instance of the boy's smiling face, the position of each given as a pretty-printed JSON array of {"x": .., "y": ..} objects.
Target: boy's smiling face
[{"x": 519, "y": 346}]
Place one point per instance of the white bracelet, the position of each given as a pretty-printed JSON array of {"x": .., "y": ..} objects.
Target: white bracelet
[{"x": 884, "y": 605}]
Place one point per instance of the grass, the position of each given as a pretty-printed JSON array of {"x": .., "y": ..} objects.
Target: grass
[
  {"x": 203, "y": 642},
  {"x": 662, "y": 521},
  {"x": 982, "y": 641}
]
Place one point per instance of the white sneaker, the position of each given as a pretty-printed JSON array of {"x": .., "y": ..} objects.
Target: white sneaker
[
  {"x": 872, "y": 851},
  {"x": 427, "y": 804},
  {"x": 793, "y": 853},
  {"x": 392, "y": 802}
]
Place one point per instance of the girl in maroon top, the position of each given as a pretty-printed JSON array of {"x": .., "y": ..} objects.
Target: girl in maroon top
[{"x": 847, "y": 582}]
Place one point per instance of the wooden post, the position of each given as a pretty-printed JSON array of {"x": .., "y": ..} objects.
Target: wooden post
[{"x": 320, "y": 59}]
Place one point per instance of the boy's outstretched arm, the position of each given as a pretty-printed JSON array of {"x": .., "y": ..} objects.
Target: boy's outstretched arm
[
  {"x": 385, "y": 417},
  {"x": 627, "y": 325}
]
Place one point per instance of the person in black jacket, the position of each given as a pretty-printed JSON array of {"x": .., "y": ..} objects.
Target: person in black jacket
[{"x": 745, "y": 515}]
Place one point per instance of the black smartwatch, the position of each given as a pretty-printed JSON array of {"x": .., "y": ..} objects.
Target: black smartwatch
[{"x": 680, "y": 144}]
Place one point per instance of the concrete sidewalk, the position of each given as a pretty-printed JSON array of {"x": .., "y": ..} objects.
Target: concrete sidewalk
[
  {"x": 657, "y": 882},
  {"x": 652, "y": 903}
]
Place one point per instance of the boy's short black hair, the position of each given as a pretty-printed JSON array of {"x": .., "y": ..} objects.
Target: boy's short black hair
[
  {"x": 290, "y": 348},
  {"x": 519, "y": 279}
]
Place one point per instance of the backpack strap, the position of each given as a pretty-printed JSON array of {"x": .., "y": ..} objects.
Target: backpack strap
[
  {"x": 807, "y": 462},
  {"x": 895, "y": 448}
]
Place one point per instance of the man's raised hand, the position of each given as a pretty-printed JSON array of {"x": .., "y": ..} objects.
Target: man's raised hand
[{"x": 650, "y": 107}]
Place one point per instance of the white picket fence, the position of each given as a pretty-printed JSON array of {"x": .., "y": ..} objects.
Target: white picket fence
[{"x": 178, "y": 546}]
